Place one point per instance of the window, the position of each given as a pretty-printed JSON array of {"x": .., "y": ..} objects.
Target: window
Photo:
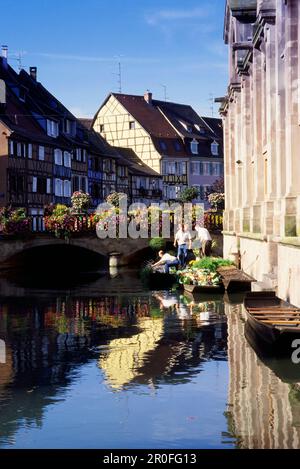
[
  {"x": 177, "y": 145},
  {"x": 11, "y": 148},
  {"x": 67, "y": 188},
  {"x": 22, "y": 94},
  {"x": 34, "y": 184},
  {"x": 30, "y": 150},
  {"x": 163, "y": 145},
  {"x": 194, "y": 147},
  {"x": 58, "y": 157},
  {"x": 195, "y": 168},
  {"x": 16, "y": 183},
  {"x": 58, "y": 187},
  {"x": 215, "y": 148},
  {"x": 67, "y": 159},
  {"x": 131, "y": 125},
  {"x": 41, "y": 153},
  {"x": 41, "y": 186},
  {"x": 69, "y": 126},
  {"x": 180, "y": 168},
  {"x": 19, "y": 149},
  {"x": 83, "y": 184},
  {"x": 52, "y": 128},
  {"x": 48, "y": 186},
  {"x": 101, "y": 128},
  {"x": 198, "y": 189},
  {"x": 76, "y": 184},
  {"x": 81, "y": 154}
]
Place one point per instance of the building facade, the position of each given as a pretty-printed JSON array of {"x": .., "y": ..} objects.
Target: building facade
[
  {"x": 261, "y": 118},
  {"x": 169, "y": 138}
]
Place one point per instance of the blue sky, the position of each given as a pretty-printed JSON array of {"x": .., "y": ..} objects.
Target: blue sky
[{"x": 75, "y": 45}]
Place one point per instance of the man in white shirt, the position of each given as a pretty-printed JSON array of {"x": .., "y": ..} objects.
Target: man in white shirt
[
  {"x": 205, "y": 241},
  {"x": 183, "y": 239},
  {"x": 167, "y": 260}
]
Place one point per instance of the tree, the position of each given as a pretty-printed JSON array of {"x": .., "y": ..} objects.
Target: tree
[
  {"x": 217, "y": 187},
  {"x": 189, "y": 194}
]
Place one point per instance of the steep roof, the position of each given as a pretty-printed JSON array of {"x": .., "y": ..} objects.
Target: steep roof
[
  {"x": 98, "y": 143},
  {"x": 147, "y": 115},
  {"x": 136, "y": 165}
]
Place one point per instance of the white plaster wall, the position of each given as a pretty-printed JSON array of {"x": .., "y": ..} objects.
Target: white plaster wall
[
  {"x": 229, "y": 246},
  {"x": 258, "y": 258},
  {"x": 289, "y": 273}
]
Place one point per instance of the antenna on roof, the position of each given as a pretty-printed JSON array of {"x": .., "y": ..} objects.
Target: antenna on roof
[
  {"x": 165, "y": 92},
  {"x": 18, "y": 57},
  {"x": 212, "y": 104},
  {"x": 119, "y": 74}
]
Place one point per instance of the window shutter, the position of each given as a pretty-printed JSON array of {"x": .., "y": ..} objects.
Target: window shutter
[
  {"x": 48, "y": 186},
  {"x": 30, "y": 150},
  {"x": 67, "y": 159},
  {"x": 49, "y": 128},
  {"x": 34, "y": 184},
  {"x": 41, "y": 153},
  {"x": 11, "y": 144}
]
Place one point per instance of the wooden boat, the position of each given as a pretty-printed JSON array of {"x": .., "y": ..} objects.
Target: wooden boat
[
  {"x": 235, "y": 279},
  {"x": 203, "y": 288},
  {"x": 160, "y": 280},
  {"x": 276, "y": 322}
]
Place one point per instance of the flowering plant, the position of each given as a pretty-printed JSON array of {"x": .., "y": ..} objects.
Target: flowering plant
[
  {"x": 14, "y": 222},
  {"x": 80, "y": 201},
  {"x": 114, "y": 198},
  {"x": 217, "y": 200}
]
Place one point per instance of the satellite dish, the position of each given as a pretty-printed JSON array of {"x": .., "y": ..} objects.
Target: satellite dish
[{"x": 2, "y": 92}]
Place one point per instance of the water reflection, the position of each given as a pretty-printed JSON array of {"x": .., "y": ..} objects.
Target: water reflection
[
  {"x": 264, "y": 398},
  {"x": 86, "y": 365}
]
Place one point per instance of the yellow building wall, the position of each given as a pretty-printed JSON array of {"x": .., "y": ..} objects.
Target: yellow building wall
[{"x": 115, "y": 119}]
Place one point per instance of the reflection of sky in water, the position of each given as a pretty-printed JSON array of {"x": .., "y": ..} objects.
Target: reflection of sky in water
[{"x": 134, "y": 370}]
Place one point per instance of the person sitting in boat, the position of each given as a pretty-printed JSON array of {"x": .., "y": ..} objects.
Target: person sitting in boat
[
  {"x": 166, "y": 260},
  {"x": 203, "y": 241}
]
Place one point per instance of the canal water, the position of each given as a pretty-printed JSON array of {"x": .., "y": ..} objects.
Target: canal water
[{"x": 102, "y": 362}]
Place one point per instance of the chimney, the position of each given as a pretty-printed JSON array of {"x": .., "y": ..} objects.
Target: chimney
[
  {"x": 33, "y": 73},
  {"x": 4, "y": 51},
  {"x": 148, "y": 97}
]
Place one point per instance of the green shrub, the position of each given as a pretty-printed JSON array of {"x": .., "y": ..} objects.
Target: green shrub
[
  {"x": 158, "y": 244},
  {"x": 211, "y": 263}
]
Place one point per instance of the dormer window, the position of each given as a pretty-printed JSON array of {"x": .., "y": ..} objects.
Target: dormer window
[
  {"x": 52, "y": 128},
  {"x": 101, "y": 128},
  {"x": 177, "y": 145},
  {"x": 194, "y": 147},
  {"x": 131, "y": 125},
  {"x": 22, "y": 94},
  {"x": 163, "y": 145},
  {"x": 68, "y": 127},
  {"x": 215, "y": 148}
]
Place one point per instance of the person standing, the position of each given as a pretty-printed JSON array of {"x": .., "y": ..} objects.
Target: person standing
[
  {"x": 205, "y": 241},
  {"x": 183, "y": 240}
]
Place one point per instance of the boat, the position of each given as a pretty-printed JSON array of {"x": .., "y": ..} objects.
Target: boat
[
  {"x": 235, "y": 279},
  {"x": 276, "y": 322},
  {"x": 203, "y": 288},
  {"x": 158, "y": 280}
]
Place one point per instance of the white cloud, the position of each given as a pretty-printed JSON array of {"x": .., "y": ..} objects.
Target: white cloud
[{"x": 157, "y": 17}]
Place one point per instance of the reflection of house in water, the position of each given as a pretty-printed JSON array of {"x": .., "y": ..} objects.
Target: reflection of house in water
[
  {"x": 263, "y": 411},
  {"x": 164, "y": 349}
]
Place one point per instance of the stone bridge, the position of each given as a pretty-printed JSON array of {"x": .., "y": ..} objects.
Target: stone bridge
[{"x": 119, "y": 251}]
